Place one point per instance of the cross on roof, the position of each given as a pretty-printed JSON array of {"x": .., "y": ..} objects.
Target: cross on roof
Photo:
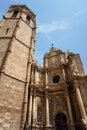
[{"x": 52, "y": 45}]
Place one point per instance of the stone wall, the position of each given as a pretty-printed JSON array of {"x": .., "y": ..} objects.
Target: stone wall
[
  {"x": 3, "y": 49},
  {"x": 11, "y": 98},
  {"x": 17, "y": 62}
]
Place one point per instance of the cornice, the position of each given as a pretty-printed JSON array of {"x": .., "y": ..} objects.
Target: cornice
[{"x": 78, "y": 77}]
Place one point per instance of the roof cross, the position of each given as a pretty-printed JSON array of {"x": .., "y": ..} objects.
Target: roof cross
[{"x": 52, "y": 45}]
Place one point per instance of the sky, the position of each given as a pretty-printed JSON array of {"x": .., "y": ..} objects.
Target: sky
[{"x": 59, "y": 22}]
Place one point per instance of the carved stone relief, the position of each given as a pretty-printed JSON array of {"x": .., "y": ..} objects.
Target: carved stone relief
[
  {"x": 60, "y": 102},
  {"x": 39, "y": 109}
]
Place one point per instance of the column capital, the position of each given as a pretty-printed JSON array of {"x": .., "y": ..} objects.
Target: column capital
[
  {"x": 47, "y": 95},
  {"x": 31, "y": 91},
  {"x": 34, "y": 92},
  {"x": 46, "y": 69},
  {"x": 76, "y": 83}
]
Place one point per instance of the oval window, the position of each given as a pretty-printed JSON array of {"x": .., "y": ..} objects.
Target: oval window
[{"x": 56, "y": 79}]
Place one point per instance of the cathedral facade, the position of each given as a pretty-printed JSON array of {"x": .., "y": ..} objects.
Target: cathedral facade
[{"x": 52, "y": 97}]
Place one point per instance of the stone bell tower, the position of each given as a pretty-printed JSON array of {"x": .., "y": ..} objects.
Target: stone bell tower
[{"x": 17, "y": 39}]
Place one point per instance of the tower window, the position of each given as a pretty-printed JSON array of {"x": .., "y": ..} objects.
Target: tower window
[
  {"x": 7, "y": 31},
  {"x": 15, "y": 13},
  {"x": 28, "y": 18}
]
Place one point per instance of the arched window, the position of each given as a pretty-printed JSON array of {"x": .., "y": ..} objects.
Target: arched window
[
  {"x": 61, "y": 122},
  {"x": 15, "y": 13},
  {"x": 28, "y": 19}
]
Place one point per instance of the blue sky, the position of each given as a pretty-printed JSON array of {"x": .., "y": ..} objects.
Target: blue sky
[{"x": 59, "y": 22}]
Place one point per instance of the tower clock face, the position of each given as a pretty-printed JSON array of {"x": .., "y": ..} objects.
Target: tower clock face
[{"x": 56, "y": 79}]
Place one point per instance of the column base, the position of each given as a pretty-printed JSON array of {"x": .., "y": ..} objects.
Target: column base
[
  {"x": 48, "y": 127},
  {"x": 84, "y": 120},
  {"x": 27, "y": 127},
  {"x": 71, "y": 127},
  {"x": 34, "y": 127},
  {"x": 86, "y": 127}
]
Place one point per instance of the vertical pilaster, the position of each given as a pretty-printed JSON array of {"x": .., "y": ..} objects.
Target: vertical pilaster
[
  {"x": 71, "y": 123},
  {"x": 35, "y": 81},
  {"x": 34, "y": 109},
  {"x": 24, "y": 112},
  {"x": 25, "y": 102},
  {"x": 46, "y": 77},
  {"x": 47, "y": 102},
  {"x": 80, "y": 103},
  {"x": 30, "y": 109},
  {"x": 47, "y": 110}
]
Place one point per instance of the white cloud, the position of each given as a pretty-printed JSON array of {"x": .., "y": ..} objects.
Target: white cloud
[
  {"x": 63, "y": 24},
  {"x": 78, "y": 13},
  {"x": 54, "y": 25}
]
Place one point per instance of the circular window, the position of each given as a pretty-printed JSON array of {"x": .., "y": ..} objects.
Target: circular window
[{"x": 56, "y": 79}]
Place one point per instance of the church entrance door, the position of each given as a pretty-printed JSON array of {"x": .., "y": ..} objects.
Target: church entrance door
[{"x": 61, "y": 122}]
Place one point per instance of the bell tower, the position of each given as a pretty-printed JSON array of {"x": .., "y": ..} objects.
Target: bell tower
[{"x": 17, "y": 39}]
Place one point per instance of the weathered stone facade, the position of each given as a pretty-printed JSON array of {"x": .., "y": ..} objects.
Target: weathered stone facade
[{"x": 52, "y": 97}]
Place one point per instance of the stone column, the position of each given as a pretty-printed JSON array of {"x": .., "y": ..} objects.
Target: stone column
[
  {"x": 80, "y": 103},
  {"x": 30, "y": 110},
  {"x": 34, "y": 109},
  {"x": 70, "y": 113},
  {"x": 35, "y": 80},
  {"x": 30, "y": 102},
  {"x": 46, "y": 79},
  {"x": 47, "y": 110},
  {"x": 46, "y": 62},
  {"x": 24, "y": 111},
  {"x": 47, "y": 113},
  {"x": 47, "y": 102}
]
